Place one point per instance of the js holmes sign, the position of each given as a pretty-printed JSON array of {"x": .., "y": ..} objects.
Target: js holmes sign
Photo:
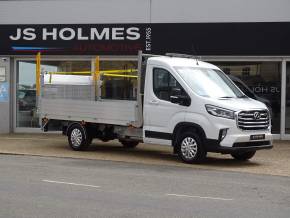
[
  {"x": 158, "y": 38},
  {"x": 73, "y": 39}
]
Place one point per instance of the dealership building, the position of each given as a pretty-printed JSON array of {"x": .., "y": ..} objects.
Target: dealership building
[{"x": 248, "y": 39}]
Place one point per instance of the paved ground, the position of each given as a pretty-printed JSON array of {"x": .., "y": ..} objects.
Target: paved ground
[
  {"x": 271, "y": 162},
  {"x": 46, "y": 187}
]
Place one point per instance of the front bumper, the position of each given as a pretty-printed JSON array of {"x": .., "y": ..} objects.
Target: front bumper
[
  {"x": 236, "y": 139},
  {"x": 215, "y": 146}
]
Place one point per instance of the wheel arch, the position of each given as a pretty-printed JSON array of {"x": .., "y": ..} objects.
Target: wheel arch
[
  {"x": 183, "y": 126},
  {"x": 72, "y": 124}
]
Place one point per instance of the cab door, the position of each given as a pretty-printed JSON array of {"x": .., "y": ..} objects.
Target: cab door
[{"x": 160, "y": 113}]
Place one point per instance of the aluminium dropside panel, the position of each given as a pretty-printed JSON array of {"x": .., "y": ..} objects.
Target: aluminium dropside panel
[{"x": 116, "y": 112}]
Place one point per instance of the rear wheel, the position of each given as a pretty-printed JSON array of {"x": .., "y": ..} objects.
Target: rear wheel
[
  {"x": 190, "y": 148},
  {"x": 243, "y": 156},
  {"x": 129, "y": 144},
  {"x": 78, "y": 137}
]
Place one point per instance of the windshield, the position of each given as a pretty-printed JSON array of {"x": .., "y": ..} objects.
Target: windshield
[{"x": 209, "y": 82}]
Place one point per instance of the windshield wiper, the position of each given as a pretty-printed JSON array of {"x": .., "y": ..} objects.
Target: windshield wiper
[{"x": 243, "y": 96}]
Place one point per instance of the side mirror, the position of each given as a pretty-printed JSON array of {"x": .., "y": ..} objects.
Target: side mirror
[
  {"x": 174, "y": 99},
  {"x": 183, "y": 100}
]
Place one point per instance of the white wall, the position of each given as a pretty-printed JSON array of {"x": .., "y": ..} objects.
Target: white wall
[
  {"x": 74, "y": 12},
  {"x": 178, "y": 11},
  {"x": 138, "y": 11}
]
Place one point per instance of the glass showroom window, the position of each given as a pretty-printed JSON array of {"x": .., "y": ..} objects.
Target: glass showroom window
[
  {"x": 287, "y": 116},
  {"x": 260, "y": 81},
  {"x": 119, "y": 85},
  {"x": 26, "y": 114}
]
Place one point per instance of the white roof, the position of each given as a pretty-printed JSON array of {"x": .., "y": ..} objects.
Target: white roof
[{"x": 176, "y": 61}]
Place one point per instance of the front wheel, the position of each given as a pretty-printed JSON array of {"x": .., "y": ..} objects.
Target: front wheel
[
  {"x": 190, "y": 148},
  {"x": 243, "y": 156},
  {"x": 78, "y": 137}
]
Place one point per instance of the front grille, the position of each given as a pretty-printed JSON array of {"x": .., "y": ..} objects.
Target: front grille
[{"x": 253, "y": 120}]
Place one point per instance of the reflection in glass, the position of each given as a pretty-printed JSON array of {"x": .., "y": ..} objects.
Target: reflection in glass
[
  {"x": 287, "y": 116},
  {"x": 260, "y": 81},
  {"x": 119, "y": 86},
  {"x": 209, "y": 82},
  {"x": 26, "y": 114},
  {"x": 26, "y": 95}
]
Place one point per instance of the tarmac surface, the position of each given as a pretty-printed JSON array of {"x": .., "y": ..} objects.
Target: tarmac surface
[
  {"x": 46, "y": 187},
  {"x": 269, "y": 162}
]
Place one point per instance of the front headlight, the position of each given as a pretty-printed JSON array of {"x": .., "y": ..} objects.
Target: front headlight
[{"x": 220, "y": 112}]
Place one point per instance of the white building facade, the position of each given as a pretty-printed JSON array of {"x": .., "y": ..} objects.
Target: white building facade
[{"x": 247, "y": 39}]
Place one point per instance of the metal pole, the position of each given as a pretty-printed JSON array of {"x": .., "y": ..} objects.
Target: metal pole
[
  {"x": 37, "y": 76},
  {"x": 139, "y": 121},
  {"x": 97, "y": 78},
  {"x": 37, "y": 86},
  {"x": 283, "y": 100}
]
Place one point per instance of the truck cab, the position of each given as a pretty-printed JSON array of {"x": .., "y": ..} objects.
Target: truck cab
[{"x": 196, "y": 108}]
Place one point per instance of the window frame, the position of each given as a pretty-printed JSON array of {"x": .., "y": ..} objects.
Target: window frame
[{"x": 169, "y": 74}]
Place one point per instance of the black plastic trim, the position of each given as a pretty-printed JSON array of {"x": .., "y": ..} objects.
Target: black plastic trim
[
  {"x": 158, "y": 135},
  {"x": 182, "y": 125},
  {"x": 212, "y": 145},
  {"x": 251, "y": 144}
]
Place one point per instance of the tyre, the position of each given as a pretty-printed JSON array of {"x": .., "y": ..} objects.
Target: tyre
[
  {"x": 243, "y": 156},
  {"x": 190, "y": 148},
  {"x": 78, "y": 138},
  {"x": 129, "y": 144}
]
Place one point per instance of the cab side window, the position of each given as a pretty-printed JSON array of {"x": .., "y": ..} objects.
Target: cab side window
[{"x": 165, "y": 85}]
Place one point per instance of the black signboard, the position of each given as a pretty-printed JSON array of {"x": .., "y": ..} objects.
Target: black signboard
[
  {"x": 81, "y": 39},
  {"x": 158, "y": 38}
]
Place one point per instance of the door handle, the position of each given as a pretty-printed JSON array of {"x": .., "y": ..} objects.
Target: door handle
[{"x": 155, "y": 102}]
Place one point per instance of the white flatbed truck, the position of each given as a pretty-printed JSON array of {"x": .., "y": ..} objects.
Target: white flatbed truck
[{"x": 182, "y": 102}]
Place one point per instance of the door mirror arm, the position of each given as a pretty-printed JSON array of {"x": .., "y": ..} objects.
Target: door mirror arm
[
  {"x": 183, "y": 100},
  {"x": 174, "y": 99}
]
